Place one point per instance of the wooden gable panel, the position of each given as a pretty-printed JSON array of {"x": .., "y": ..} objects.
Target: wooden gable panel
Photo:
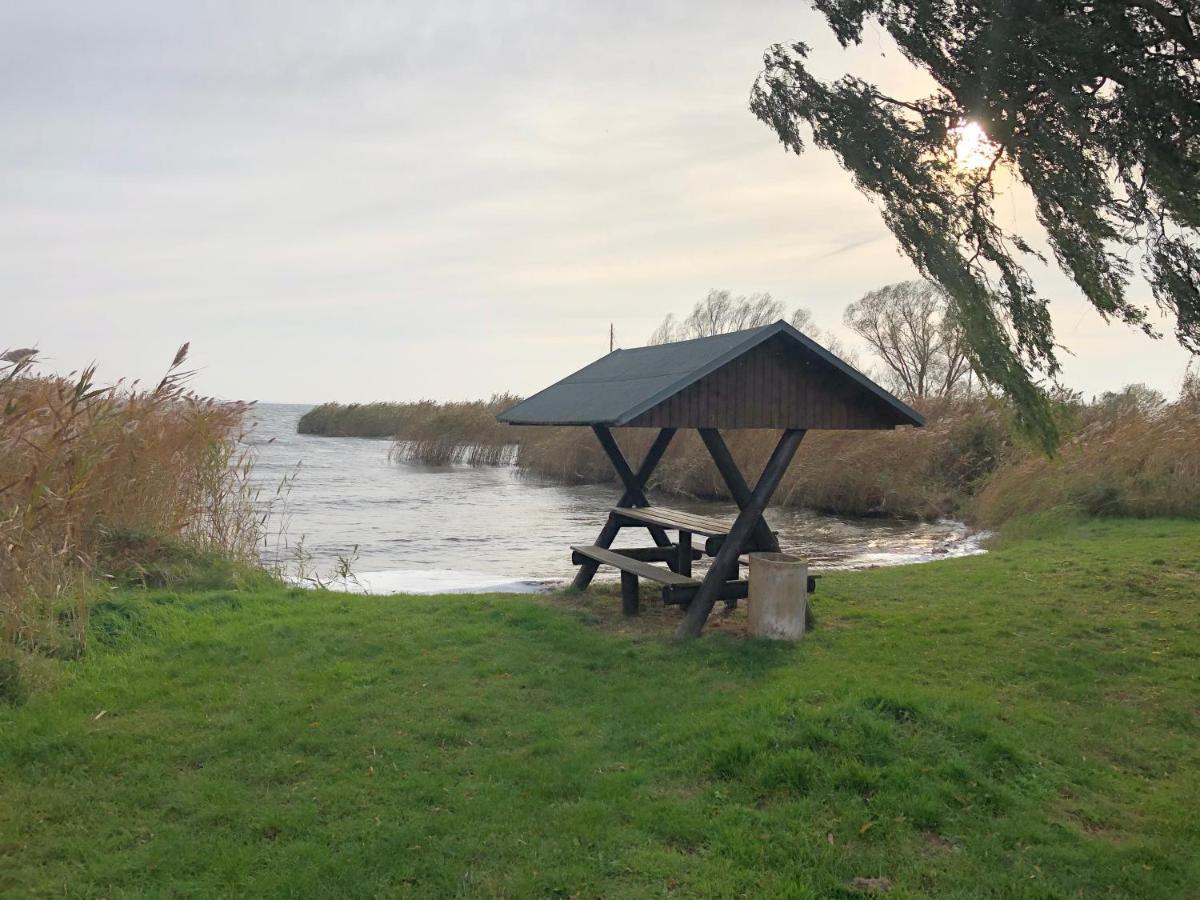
[{"x": 775, "y": 385}]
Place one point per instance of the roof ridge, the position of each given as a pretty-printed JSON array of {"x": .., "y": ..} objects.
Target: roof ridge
[{"x": 708, "y": 337}]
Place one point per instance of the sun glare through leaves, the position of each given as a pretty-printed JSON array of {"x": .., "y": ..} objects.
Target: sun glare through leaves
[{"x": 972, "y": 147}]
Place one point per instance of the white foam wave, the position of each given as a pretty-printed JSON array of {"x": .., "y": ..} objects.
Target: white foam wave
[{"x": 433, "y": 581}]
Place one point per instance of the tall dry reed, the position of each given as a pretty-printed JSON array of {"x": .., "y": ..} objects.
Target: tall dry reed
[
  {"x": 969, "y": 460},
  {"x": 92, "y": 477},
  {"x": 383, "y": 420},
  {"x": 909, "y": 473},
  {"x": 1139, "y": 462},
  {"x": 456, "y": 432}
]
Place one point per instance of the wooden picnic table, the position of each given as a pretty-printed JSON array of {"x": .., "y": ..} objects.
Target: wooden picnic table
[{"x": 771, "y": 377}]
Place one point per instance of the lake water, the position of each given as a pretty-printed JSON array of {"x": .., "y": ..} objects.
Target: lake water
[{"x": 433, "y": 529}]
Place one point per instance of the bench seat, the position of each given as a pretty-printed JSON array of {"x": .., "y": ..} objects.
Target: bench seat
[
  {"x": 631, "y": 570},
  {"x": 633, "y": 566},
  {"x": 677, "y": 589},
  {"x": 668, "y": 554}
]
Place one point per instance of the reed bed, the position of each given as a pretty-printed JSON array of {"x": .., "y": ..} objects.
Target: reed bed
[
  {"x": 375, "y": 420},
  {"x": 969, "y": 460},
  {"x": 1137, "y": 462},
  {"x": 909, "y": 473},
  {"x": 100, "y": 480},
  {"x": 459, "y": 432}
]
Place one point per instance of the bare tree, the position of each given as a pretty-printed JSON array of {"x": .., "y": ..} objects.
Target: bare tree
[
  {"x": 720, "y": 312},
  {"x": 802, "y": 320},
  {"x": 665, "y": 332},
  {"x": 912, "y": 328}
]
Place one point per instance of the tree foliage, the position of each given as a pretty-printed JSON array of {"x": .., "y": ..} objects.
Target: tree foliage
[
  {"x": 1133, "y": 398},
  {"x": 915, "y": 333},
  {"x": 1093, "y": 105}
]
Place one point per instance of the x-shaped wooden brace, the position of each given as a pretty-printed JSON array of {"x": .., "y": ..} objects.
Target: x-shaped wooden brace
[
  {"x": 748, "y": 524},
  {"x": 762, "y": 537},
  {"x": 635, "y": 483}
]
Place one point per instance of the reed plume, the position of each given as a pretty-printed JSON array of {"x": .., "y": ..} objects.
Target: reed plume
[{"x": 93, "y": 477}]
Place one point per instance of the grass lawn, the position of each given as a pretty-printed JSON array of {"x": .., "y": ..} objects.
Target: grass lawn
[{"x": 1025, "y": 723}]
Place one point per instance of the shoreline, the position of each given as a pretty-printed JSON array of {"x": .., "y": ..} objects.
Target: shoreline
[{"x": 430, "y": 581}]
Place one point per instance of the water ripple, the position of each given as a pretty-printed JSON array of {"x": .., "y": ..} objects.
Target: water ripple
[{"x": 435, "y": 529}]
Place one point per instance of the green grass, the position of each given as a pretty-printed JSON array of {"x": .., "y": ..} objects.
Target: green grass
[{"x": 1024, "y": 724}]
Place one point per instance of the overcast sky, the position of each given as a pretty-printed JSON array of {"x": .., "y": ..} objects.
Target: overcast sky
[{"x": 362, "y": 201}]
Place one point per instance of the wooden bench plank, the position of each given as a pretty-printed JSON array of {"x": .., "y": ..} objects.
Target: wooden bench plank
[
  {"x": 634, "y": 566},
  {"x": 674, "y": 518},
  {"x": 668, "y": 554}
]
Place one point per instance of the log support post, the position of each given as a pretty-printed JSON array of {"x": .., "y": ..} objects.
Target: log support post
[
  {"x": 747, "y": 522},
  {"x": 629, "y": 594},
  {"x": 635, "y": 483},
  {"x": 762, "y": 537},
  {"x": 684, "y": 561}
]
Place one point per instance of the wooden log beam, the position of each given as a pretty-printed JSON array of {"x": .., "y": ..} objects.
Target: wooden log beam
[
  {"x": 682, "y": 595},
  {"x": 762, "y": 537},
  {"x": 612, "y": 450},
  {"x": 683, "y": 564},
  {"x": 629, "y": 594},
  {"x": 727, "y": 557},
  {"x": 608, "y": 534},
  {"x": 733, "y": 591}
]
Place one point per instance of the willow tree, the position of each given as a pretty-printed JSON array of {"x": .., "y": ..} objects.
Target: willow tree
[{"x": 1093, "y": 106}]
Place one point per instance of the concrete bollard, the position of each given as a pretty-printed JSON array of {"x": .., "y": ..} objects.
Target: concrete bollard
[{"x": 778, "y": 595}]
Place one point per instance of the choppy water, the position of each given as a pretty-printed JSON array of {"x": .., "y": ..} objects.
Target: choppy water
[{"x": 436, "y": 529}]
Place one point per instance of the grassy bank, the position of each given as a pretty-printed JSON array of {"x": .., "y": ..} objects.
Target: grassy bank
[{"x": 1021, "y": 724}]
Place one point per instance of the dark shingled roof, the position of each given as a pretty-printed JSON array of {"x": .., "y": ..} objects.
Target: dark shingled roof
[{"x": 619, "y": 387}]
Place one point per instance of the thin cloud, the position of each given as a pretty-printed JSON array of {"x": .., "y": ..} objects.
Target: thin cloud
[{"x": 375, "y": 184}]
